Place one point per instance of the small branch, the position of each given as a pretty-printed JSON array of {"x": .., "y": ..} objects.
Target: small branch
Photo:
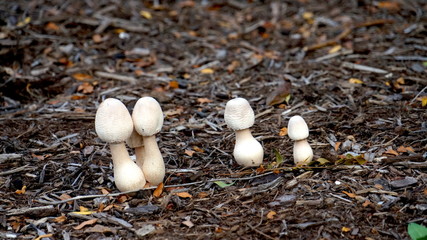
[
  {"x": 18, "y": 169},
  {"x": 115, "y": 76},
  {"x": 259, "y": 232},
  {"x": 363, "y": 68}
]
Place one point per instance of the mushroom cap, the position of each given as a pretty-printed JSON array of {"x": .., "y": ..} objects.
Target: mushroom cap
[
  {"x": 147, "y": 116},
  {"x": 297, "y": 128},
  {"x": 238, "y": 114},
  {"x": 113, "y": 123}
]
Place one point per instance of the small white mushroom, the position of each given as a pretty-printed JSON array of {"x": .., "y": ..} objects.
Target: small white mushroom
[
  {"x": 298, "y": 131},
  {"x": 147, "y": 118},
  {"x": 113, "y": 124},
  {"x": 239, "y": 116}
]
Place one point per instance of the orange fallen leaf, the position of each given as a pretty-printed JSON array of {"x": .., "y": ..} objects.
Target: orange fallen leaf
[
  {"x": 184, "y": 195},
  {"x": 389, "y": 5},
  {"x": 270, "y": 214},
  {"x": 43, "y": 236},
  {"x": 77, "y": 97},
  {"x": 202, "y": 194},
  {"x": 81, "y": 76},
  {"x": 189, "y": 152},
  {"x": 39, "y": 157},
  {"x": 197, "y": 149},
  {"x": 97, "y": 38},
  {"x": 392, "y": 152},
  {"x": 337, "y": 146},
  {"x": 174, "y": 84},
  {"x": 85, "y": 223},
  {"x": 345, "y": 229},
  {"x": 105, "y": 191},
  {"x": 122, "y": 198},
  {"x": 423, "y": 100},
  {"x": 60, "y": 219},
  {"x": 146, "y": 14},
  {"x": 203, "y": 100},
  {"x": 352, "y": 195},
  {"x": 52, "y": 26},
  {"x": 403, "y": 149},
  {"x": 107, "y": 208},
  {"x": 366, "y": 203},
  {"x": 84, "y": 211},
  {"x": 22, "y": 191},
  {"x": 335, "y": 49},
  {"x": 159, "y": 190},
  {"x": 65, "y": 196},
  {"x": 85, "y": 88},
  {"x": 283, "y": 131},
  {"x": 173, "y": 112},
  {"x": 233, "y": 65},
  {"x": 260, "y": 169}
]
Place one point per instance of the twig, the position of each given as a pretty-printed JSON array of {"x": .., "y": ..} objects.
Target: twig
[
  {"x": 18, "y": 169},
  {"x": 410, "y": 58},
  {"x": 339, "y": 197},
  {"x": 363, "y": 68},
  {"x": 259, "y": 232},
  {"x": 114, "y": 76},
  {"x": 412, "y": 101}
]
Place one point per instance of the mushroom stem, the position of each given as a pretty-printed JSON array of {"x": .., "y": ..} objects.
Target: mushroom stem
[
  {"x": 127, "y": 175},
  {"x": 154, "y": 166},
  {"x": 247, "y": 150},
  {"x": 139, "y": 154},
  {"x": 303, "y": 154}
]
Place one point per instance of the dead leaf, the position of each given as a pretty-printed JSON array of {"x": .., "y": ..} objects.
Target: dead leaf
[
  {"x": 85, "y": 88},
  {"x": 337, "y": 146},
  {"x": 389, "y": 5},
  {"x": 260, "y": 169},
  {"x": 60, "y": 219},
  {"x": 183, "y": 195},
  {"x": 172, "y": 112},
  {"x": 187, "y": 3},
  {"x": 159, "y": 190},
  {"x": 283, "y": 131},
  {"x": 82, "y": 76},
  {"x": 85, "y": 223},
  {"x": 392, "y": 152},
  {"x": 355, "y": 81},
  {"x": 335, "y": 49},
  {"x": 270, "y": 214},
  {"x": 84, "y": 211},
  {"x": 197, "y": 149},
  {"x": 52, "y": 26},
  {"x": 100, "y": 229},
  {"x": 122, "y": 198},
  {"x": 203, "y": 100},
  {"x": 43, "y": 236},
  {"x": 232, "y": 66},
  {"x": 39, "y": 157},
  {"x": 146, "y": 14},
  {"x": 174, "y": 84},
  {"x": 202, "y": 194},
  {"x": 97, "y": 38},
  {"x": 345, "y": 229},
  {"x": 188, "y": 223},
  {"x": 22, "y": 191},
  {"x": 403, "y": 149},
  {"x": 281, "y": 94},
  {"x": 352, "y": 195},
  {"x": 78, "y": 97},
  {"x": 423, "y": 100},
  {"x": 189, "y": 152},
  {"x": 207, "y": 71},
  {"x": 366, "y": 203},
  {"x": 65, "y": 196}
]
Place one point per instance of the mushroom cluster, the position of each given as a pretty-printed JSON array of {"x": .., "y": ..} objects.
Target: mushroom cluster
[
  {"x": 239, "y": 116},
  {"x": 115, "y": 125},
  {"x": 298, "y": 131}
]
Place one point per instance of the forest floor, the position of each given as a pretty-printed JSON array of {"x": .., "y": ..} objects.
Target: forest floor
[{"x": 358, "y": 76}]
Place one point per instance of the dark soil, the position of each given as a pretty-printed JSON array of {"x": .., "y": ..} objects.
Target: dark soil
[{"x": 368, "y": 122}]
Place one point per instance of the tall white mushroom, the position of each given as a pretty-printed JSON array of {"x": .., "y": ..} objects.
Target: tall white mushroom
[
  {"x": 113, "y": 124},
  {"x": 147, "y": 118},
  {"x": 298, "y": 131},
  {"x": 239, "y": 116}
]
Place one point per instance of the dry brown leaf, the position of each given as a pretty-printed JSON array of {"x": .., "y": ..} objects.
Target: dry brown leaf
[
  {"x": 105, "y": 191},
  {"x": 189, "y": 152},
  {"x": 281, "y": 94},
  {"x": 352, "y": 195},
  {"x": 78, "y": 97},
  {"x": 43, "y": 236},
  {"x": 184, "y": 195},
  {"x": 100, "y": 229},
  {"x": 159, "y": 190},
  {"x": 97, "y": 38},
  {"x": 345, "y": 229},
  {"x": 22, "y": 191},
  {"x": 52, "y": 26},
  {"x": 172, "y": 112},
  {"x": 82, "y": 76},
  {"x": 197, "y": 149},
  {"x": 355, "y": 81},
  {"x": 203, "y": 100},
  {"x": 392, "y": 152},
  {"x": 283, "y": 131},
  {"x": 174, "y": 84},
  {"x": 232, "y": 66},
  {"x": 337, "y": 146},
  {"x": 65, "y": 196},
  {"x": 270, "y": 214},
  {"x": 60, "y": 219},
  {"x": 85, "y": 223},
  {"x": 366, "y": 203},
  {"x": 202, "y": 194},
  {"x": 85, "y": 88},
  {"x": 389, "y": 5}
]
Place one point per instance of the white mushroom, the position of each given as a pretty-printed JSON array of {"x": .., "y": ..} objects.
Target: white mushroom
[
  {"x": 298, "y": 131},
  {"x": 113, "y": 124},
  {"x": 147, "y": 118},
  {"x": 239, "y": 116}
]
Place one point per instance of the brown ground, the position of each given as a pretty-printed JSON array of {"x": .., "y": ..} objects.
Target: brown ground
[{"x": 193, "y": 57}]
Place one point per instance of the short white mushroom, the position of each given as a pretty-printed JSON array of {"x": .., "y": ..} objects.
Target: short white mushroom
[
  {"x": 147, "y": 118},
  {"x": 298, "y": 131},
  {"x": 113, "y": 124},
  {"x": 239, "y": 116}
]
